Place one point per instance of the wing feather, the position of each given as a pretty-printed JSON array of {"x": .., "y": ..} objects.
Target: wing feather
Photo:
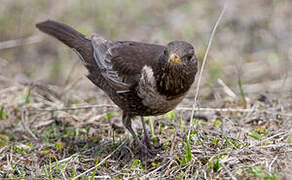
[{"x": 121, "y": 62}]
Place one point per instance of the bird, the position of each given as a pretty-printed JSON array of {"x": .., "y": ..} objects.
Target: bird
[{"x": 143, "y": 79}]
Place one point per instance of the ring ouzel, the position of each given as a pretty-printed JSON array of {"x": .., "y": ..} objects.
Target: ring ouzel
[{"x": 142, "y": 79}]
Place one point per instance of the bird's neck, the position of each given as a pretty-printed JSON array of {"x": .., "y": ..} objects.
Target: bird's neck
[{"x": 173, "y": 81}]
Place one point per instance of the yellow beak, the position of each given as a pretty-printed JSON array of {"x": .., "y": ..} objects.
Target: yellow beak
[{"x": 174, "y": 59}]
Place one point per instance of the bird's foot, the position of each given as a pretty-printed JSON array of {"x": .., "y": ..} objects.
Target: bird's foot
[
  {"x": 145, "y": 150},
  {"x": 155, "y": 149}
]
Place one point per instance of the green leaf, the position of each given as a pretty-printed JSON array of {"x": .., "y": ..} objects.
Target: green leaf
[
  {"x": 267, "y": 177},
  {"x": 229, "y": 145},
  {"x": 216, "y": 166},
  {"x": 181, "y": 175},
  {"x": 25, "y": 98},
  {"x": 188, "y": 153},
  {"x": 137, "y": 163},
  {"x": 160, "y": 129},
  {"x": 254, "y": 135},
  {"x": 242, "y": 93},
  {"x": 221, "y": 155},
  {"x": 151, "y": 125},
  {"x": 154, "y": 164},
  {"x": 257, "y": 170},
  {"x": 3, "y": 114},
  {"x": 60, "y": 146},
  {"x": 46, "y": 173},
  {"x": 155, "y": 140},
  {"x": 93, "y": 174},
  {"x": 72, "y": 173},
  {"x": 170, "y": 115},
  {"x": 217, "y": 123},
  {"x": 109, "y": 115},
  {"x": 215, "y": 141},
  {"x": 181, "y": 161}
]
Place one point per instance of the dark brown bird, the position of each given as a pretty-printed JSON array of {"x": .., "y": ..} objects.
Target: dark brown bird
[{"x": 142, "y": 79}]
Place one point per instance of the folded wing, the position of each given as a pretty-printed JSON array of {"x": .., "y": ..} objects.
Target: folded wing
[{"x": 121, "y": 62}]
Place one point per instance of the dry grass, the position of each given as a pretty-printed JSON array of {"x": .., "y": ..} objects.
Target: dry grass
[
  {"x": 55, "y": 125},
  {"x": 42, "y": 137}
]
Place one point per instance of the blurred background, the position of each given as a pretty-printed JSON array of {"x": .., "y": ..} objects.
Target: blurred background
[{"x": 251, "y": 52}]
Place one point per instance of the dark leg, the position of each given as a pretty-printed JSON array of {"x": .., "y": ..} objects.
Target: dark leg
[
  {"x": 154, "y": 150},
  {"x": 146, "y": 137},
  {"x": 128, "y": 124},
  {"x": 142, "y": 150}
]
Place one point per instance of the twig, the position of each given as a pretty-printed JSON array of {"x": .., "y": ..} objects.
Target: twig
[
  {"x": 20, "y": 42},
  {"x": 276, "y": 145},
  {"x": 44, "y": 123},
  {"x": 155, "y": 170},
  {"x": 67, "y": 159},
  {"x": 102, "y": 177},
  {"x": 24, "y": 125},
  {"x": 173, "y": 142},
  {"x": 3, "y": 148},
  {"x": 228, "y": 171},
  {"x": 76, "y": 108},
  {"x": 12, "y": 88},
  {"x": 43, "y": 87},
  {"x": 259, "y": 142},
  {"x": 118, "y": 148},
  {"x": 178, "y": 108},
  {"x": 226, "y": 89},
  {"x": 235, "y": 110},
  {"x": 3, "y": 62},
  {"x": 203, "y": 65},
  {"x": 270, "y": 166}
]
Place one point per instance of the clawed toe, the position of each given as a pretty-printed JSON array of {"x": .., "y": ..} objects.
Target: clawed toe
[
  {"x": 154, "y": 149},
  {"x": 146, "y": 150},
  {"x": 144, "y": 153}
]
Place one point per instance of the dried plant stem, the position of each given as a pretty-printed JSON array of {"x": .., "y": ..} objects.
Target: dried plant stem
[
  {"x": 76, "y": 108},
  {"x": 23, "y": 115},
  {"x": 20, "y": 42},
  {"x": 178, "y": 108},
  {"x": 203, "y": 65},
  {"x": 236, "y": 110},
  {"x": 106, "y": 158}
]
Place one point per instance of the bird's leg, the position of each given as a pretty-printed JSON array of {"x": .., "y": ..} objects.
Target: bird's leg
[
  {"x": 154, "y": 150},
  {"x": 146, "y": 137},
  {"x": 141, "y": 149},
  {"x": 128, "y": 124}
]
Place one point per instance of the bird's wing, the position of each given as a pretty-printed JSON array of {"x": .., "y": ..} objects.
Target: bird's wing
[{"x": 121, "y": 62}]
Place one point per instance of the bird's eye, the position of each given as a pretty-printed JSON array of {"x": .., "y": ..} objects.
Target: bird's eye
[
  {"x": 189, "y": 56},
  {"x": 165, "y": 52}
]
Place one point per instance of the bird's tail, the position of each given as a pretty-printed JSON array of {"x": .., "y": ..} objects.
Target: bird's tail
[
  {"x": 79, "y": 43},
  {"x": 68, "y": 36}
]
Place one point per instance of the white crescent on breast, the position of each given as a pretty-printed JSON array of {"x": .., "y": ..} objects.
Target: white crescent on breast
[{"x": 147, "y": 91}]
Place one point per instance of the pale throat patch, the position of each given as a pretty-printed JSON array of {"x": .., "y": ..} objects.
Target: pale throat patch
[
  {"x": 151, "y": 98},
  {"x": 148, "y": 75}
]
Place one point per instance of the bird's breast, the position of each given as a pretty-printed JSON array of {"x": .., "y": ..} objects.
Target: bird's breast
[{"x": 151, "y": 98}]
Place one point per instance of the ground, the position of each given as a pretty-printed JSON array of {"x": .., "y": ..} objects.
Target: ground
[{"x": 54, "y": 124}]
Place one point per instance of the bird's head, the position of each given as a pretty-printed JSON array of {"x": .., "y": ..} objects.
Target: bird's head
[
  {"x": 180, "y": 53},
  {"x": 178, "y": 68}
]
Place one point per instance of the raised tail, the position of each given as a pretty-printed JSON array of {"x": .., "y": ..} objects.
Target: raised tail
[
  {"x": 70, "y": 37},
  {"x": 79, "y": 43}
]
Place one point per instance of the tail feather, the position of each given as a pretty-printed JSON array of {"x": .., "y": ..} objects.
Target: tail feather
[
  {"x": 79, "y": 43},
  {"x": 68, "y": 36}
]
